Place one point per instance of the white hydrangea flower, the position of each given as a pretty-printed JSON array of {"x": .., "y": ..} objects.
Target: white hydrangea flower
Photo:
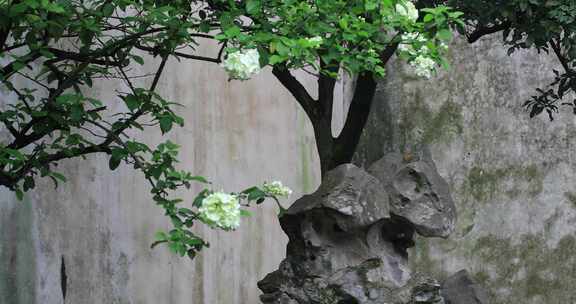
[
  {"x": 408, "y": 10},
  {"x": 276, "y": 189},
  {"x": 408, "y": 39},
  {"x": 242, "y": 64},
  {"x": 221, "y": 210},
  {"x": 315, "y": 42},
  {"x": 423, "y": 66},
  {"x": 405, "y": 48}
]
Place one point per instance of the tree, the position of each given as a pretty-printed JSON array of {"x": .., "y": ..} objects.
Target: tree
[{"x": 55, "y": 51}]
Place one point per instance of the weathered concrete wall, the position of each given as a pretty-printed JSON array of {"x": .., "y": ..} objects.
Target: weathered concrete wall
[
  {"x": 512, "y": 178},
  {"x": 101, "y": 223}
]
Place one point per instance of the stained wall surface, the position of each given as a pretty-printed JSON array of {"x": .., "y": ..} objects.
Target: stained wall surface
[
  {"x": 91, "y": 236},
  {"x": 512, "y": 177}
]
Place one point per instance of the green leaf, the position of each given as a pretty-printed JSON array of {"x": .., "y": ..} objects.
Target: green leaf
[
  {"x": 232, "y": 32},
  {"x": 253, "y": 7},
  {"x": 28, "y": 183},
  {"x": 161, "y": 236},
  {"x": 17, "y": 155},
  {"x": 52, "y": 6},
  {"x": 176, "y": 221},
  {"x": 199, "y": 178},
  {"x": 108, "y": 9},
  {"x": 18, "y": 9},
  {"x": 444, "y": 34},
  {"x": 19, "y": 194},
  {"x": 166, "y": 124},
  {"x": 132, "y": 102},
  {"x": 114, "y": 162},
  {"x": 370, "y": 5},
  {"x": 194, "y": 241},
  {"x": 58, "y": 176},
  {"x": 138, "y": 59},
  {"x": 200, "y": 197},
  {"x": 254, "y": 194}
]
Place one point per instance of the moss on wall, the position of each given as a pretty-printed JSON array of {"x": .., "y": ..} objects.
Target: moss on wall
[
  {"x": 510, "y": 176},
  {"x": 571, "y": 196},
  {"x": 419, "y": 121},
  {"x": 484, "y": 184},
  {"x": 530, "y": 271}
]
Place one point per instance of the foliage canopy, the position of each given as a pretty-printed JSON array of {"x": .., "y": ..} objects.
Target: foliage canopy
[{"x": 53, "y": 52}]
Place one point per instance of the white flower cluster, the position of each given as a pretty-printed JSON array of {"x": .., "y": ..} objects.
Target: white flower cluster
[
  {"x": 422, "y": 63},
  {"x": 221, "y": 210},
  {"x": 423, "y": 66},
  {"x": 408, "y": 10},
  {"x": 276, "y": 189},
  {"x": 408, "y": 39},
  {"x": 242, "y": 64}
]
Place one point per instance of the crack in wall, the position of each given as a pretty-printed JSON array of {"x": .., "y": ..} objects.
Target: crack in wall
[{"x": 63, "y": 279}]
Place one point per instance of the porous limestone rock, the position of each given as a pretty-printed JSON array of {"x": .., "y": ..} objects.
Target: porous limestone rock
[
  {"x": 344, "y": 245},
  {"x": 348, "y": 240},
  {"x": 427, "y": 293},
  {"x": 417, "y": 193}
]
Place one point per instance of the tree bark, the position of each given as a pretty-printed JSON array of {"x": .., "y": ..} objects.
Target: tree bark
[{"x": 335, "y": 151}]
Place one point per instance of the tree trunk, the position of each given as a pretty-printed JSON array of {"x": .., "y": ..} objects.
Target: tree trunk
[
  {"x": 333, "y": 151},
  {"x": 340, "y": 150}
]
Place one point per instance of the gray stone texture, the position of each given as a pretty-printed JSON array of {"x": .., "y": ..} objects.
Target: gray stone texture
[
  {"x": 511, "y": 177},
  {"x": 348, "y": 245},
  {"x": 336, "y": 249},
  {"x": 417, "y": 193},
  {"x": 102, "y": 223},
  {"x": 460, "y": 288}
]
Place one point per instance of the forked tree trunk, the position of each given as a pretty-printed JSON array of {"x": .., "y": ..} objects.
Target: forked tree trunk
[{"x": 335, "y": 151}]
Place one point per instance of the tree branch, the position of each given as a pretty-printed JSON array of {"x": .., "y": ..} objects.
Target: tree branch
[
  {"x": 140, "y": 112},
  {"x": 326, "y": 86},
  {"x": 12, "y": 47},
  {"x": 487, "y": 30},
  {"x": 297, "y": 90},
  {"x": 347, "y": 141},
  {"x": 4, "y": 37},
  {"x": 388, "y": 52},
  {"x": 10, "y": 128},
  {"x": 11, "y": 180},
  {"x": 558, "y": 51},
  {"x": 155, "y": 50},
  {"x": 64, "y": 55},
  {"x": 9, "y": 69}
]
